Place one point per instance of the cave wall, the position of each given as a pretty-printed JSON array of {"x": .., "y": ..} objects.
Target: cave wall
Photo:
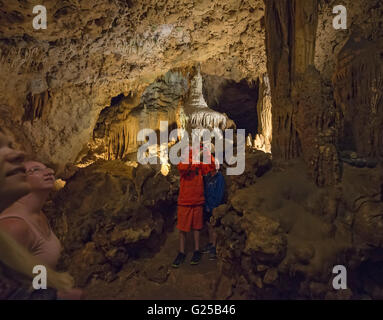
[
  {"x": 365, "y": 16},
  {"x": 325, "y": 91},
  {"x": 316, "y": 89},
  {"x": 115, "y": 134},
  {"x": 358, "y": 92},
  {"x": 349, "y": 60},
  {"x": 55, "y": 82},
  {"x": 279, "y": 47}
]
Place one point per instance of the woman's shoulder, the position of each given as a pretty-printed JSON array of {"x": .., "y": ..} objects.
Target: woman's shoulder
[
  {"x": 18, "y": 228},
  {"x": 15, "y": 223},
  {"x": 13, "y": 212}
]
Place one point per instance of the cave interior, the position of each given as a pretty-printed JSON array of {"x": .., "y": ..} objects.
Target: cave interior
[{"x": 310, "y": 98}]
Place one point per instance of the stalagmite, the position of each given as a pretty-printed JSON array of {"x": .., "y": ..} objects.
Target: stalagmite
[
  {"x": 249, "y": 141},
  {"x": 259, "y": 142},
  {"x": 196, "y": 109}
]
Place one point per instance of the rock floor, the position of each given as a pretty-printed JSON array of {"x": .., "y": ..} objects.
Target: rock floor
[{"x": 155, "y": 279}]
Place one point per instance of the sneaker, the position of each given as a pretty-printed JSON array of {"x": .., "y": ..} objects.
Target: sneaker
[
  {"x": 179, "y": 260},
  {"x": 207, "y": 248},
  {"x": 196, "y": 257},
  {"x": 212, "y": 253}
]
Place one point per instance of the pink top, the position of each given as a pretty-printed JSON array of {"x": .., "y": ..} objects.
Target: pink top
[{"x": 46, "y": 249}]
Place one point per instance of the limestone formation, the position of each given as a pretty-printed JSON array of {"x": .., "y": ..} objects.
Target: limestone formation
[
  {"x": 358, "y": 91},
  {"x": 309, "y": 96},
  {"x": 113, "y": 217},
  {"x": 265, "y": 128},
  {"x": 283, "y": 236},
  {"x": 94, "y": 51},
  {"x": 197, "y": 112}
]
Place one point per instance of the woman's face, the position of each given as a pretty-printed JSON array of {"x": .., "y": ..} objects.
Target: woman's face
[
  {"x": 13, "y": 180},
  {"x": 39, "y": 176}
]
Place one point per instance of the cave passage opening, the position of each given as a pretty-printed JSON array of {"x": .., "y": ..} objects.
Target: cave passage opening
[{"x": 238, "y": 100}]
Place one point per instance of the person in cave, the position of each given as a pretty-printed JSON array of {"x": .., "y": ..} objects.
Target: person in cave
[
  {"x": 16, "y": 262},
  {"x": 191, "y": 200},
  {"x": 214, "y": 184},
  {"x": 25, "y": 221},
  {"x": 13, "y": 184}
]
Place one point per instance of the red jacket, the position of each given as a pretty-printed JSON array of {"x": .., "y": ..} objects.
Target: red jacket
[{"x": 191, "y": 180}]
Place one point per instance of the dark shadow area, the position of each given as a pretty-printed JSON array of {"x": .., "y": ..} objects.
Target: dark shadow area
[{"x": 237, "y": 99}]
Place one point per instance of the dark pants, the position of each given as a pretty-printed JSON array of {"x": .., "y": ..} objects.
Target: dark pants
[{"x": 206, "y": 215}]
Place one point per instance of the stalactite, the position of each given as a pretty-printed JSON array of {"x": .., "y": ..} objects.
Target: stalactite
[
  {"x": 37, "y": 106},
  {"x": 358, "y": 92},
  {"x": 264, "y": 136},
  {"x": 122, "y": 136},
  {"x": 118, "y": 125},
  {"x": 208, "y": 119},
  {"x": 306, "y": 22}
]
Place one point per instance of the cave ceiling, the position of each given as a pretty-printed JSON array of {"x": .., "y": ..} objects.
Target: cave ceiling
[{"x": 55, "y": 82}]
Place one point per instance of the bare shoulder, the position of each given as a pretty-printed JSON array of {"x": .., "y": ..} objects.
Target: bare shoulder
[
  {"x": 18, "y": 229},
  {"x": 14, "y": 225}
]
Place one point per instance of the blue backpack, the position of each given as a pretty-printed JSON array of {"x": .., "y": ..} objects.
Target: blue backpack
[{"x": 214, "y": 189}]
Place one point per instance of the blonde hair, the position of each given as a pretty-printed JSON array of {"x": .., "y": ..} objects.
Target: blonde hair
[{"x": 16, "y": 257}]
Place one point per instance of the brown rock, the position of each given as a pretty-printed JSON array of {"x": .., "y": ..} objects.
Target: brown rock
[
  {"x": 304, "y": 253},
  {"x": 157, "y": 273},
  {"x": 271, "y": 276},
  {"x": 339, "y": 295},
  {"x": 262, "y": 267}
]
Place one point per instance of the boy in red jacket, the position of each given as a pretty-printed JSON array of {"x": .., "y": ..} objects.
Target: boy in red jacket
[{"x": 191, "y": 200}]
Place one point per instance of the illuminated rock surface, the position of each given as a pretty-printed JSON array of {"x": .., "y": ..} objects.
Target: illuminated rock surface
[{"x": 76, "y": 95}]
